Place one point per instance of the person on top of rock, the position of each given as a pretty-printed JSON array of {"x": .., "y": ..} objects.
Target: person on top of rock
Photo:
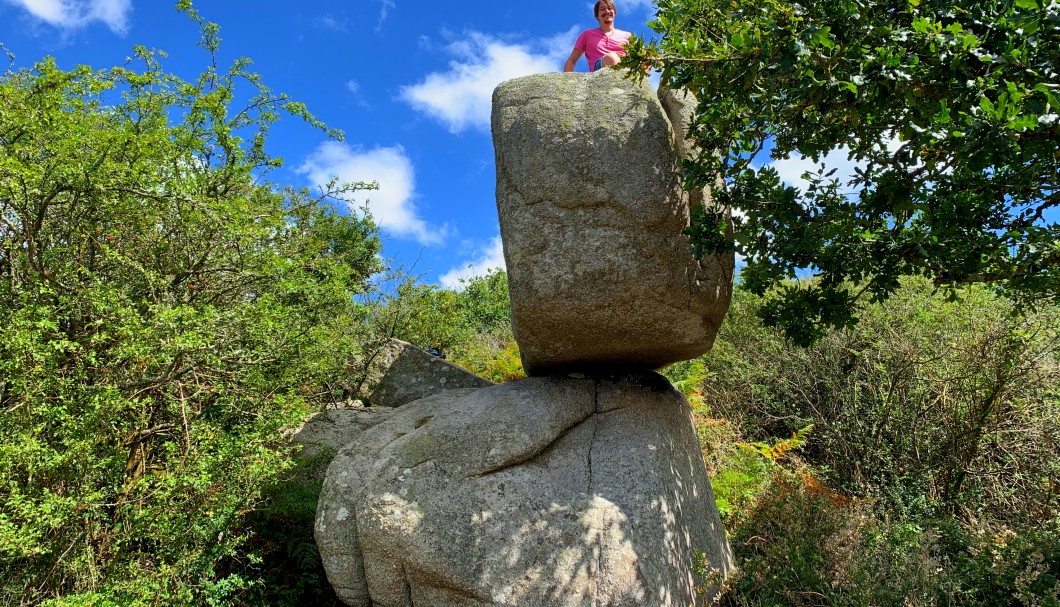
[{"x": 602, "y": 46}]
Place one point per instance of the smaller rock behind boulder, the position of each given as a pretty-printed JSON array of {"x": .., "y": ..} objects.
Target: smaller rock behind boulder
[
  {"x": 413, "y": 374},
  {"x": 333, "y": 429}
]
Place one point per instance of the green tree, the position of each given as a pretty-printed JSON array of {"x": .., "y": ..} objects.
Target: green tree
[
  {"x": 164, "y": 312},
  {"x": 472, "y": 325},
  {"x": 950, "y": 110},
  {"x": 433, "y": 317}
]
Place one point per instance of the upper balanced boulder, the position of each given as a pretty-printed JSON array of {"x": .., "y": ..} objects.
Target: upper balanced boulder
[{"x": 592, "y": 212}]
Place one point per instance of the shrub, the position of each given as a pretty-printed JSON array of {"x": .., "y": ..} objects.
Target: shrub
[
  {"x": 928, "y": 478},
  {"x": 926, "y": 406},
  {"x": 472, "y": 326},
  {"x": 288, "y": 571},
  {"x": 164, "y": 312}
]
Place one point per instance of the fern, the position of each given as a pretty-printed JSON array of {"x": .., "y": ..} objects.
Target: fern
[{"x": 776, "y": 451}]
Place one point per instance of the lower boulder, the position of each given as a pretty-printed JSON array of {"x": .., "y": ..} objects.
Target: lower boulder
[{"x": 550, "y": 491}]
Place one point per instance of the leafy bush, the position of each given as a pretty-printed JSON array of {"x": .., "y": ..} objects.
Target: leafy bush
[
  {"x": 423, "y": 315},
  {"x": 492, "y": 356},
  {"x": 801, "y": 543},
  {"x": 1000, "y": 566},
  {"x": 290, "y": 572},
  {"x": 804, "y": 544},
  {"x": 928, "y": 477},
  {"x": 926, "y": 405},
  {"x": 472, "y": 326},
  {"x": 164, "y": 312}
]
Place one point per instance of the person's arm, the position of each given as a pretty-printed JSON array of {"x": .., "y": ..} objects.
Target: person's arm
[{"x": 575, "y": 55}]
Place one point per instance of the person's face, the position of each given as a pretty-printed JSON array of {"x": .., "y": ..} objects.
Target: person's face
[{"x": 606, "y": 14}]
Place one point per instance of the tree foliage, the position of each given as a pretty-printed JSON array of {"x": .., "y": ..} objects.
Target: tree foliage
[
  {"x": 164, "y": 311},
  {"x": 471, "y": 325},
  {"x": 950, "y": 111}
]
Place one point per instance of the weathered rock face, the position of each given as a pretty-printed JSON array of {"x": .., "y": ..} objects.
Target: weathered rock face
[
  {"x": 322, "y": 434},
  {"x": 562, "y": 490},
  {"x": 547, "y": 492},
  {"x": 591, "y": 211},
  {"x": 329, "y": 431},
  {"x": 680, "y": 107},
  {"x": 412, "y": 373}
]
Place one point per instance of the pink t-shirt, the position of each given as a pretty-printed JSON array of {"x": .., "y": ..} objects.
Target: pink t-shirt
[{"x": 595, "y": 44}]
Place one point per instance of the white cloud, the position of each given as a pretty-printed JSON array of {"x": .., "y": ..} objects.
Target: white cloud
[
  {"x": 329, "y": 22},
  {"x": 72, "y": 14},
  {"x": 491, "y": 257},
  {"x": 460, "y": 97},
  {"x": 354, "y": 89},
  {"x": 791, "y": 169},
  {"x": 384, "y": 10},
  {"x": 391, "y": 205}
]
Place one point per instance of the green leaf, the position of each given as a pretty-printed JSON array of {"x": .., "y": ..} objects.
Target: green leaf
[
  {"x": 1022, "y": 123},
  {"x": 987, "y": 105},
  {"x": 822, "y": 38},
  {"x": 943, "y": 115}
]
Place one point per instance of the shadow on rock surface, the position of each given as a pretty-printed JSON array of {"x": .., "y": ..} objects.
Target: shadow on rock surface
[{"x": 551, "y": 491}]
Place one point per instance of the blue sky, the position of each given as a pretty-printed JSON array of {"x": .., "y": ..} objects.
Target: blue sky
[{"x": 408, "y": 81}]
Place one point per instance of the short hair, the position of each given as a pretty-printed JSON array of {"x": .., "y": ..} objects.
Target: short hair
[{"x": 599, "y": 3}]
